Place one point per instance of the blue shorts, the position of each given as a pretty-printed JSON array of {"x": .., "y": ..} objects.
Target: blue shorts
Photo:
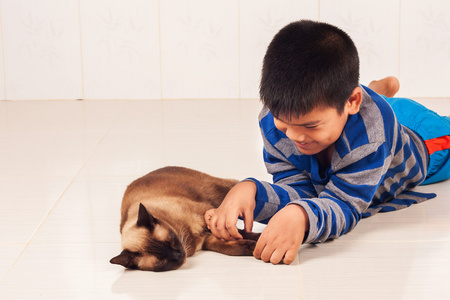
[{"x": 434, "y": 131}]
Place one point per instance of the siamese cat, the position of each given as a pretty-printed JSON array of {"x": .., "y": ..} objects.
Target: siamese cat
[{"x": 162, "y": 220}]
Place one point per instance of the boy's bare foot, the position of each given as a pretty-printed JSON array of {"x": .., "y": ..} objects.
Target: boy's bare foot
[
  {"x": 208, "y": 214},
  {"x": 388, "y": 86}
]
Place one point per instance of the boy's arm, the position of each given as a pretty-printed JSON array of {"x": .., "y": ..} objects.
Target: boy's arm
[
  {"x": 290, "y": 184},
  {"x": 338, "y": 208},
  {"x": 240, "y": 201},
  {"x": 335, "y": 211}
]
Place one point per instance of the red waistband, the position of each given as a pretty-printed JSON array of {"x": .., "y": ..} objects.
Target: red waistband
[{"x": 437, "y": 144}]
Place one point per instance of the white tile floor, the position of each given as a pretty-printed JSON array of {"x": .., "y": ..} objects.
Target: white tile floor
[{"x": 65, "y": 165}]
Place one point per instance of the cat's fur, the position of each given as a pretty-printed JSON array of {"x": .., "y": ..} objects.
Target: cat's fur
[{"x": 162, "y": 219}]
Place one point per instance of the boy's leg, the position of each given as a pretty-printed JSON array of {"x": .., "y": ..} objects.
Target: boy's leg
[
  {"x": 434, "y": 131},
  {"x": 388, "y": 86}
]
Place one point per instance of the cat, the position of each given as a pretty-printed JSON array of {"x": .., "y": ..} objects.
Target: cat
[{"x": 162, "y": 220}]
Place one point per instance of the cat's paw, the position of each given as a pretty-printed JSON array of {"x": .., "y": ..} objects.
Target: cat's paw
[
  {"x": 235, "y": 248},
  {"x": 254, "y": 236},
  {"x": 243, "y": 247}
]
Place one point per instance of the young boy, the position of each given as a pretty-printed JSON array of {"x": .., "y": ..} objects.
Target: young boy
[{"x": 336, "y": 149}]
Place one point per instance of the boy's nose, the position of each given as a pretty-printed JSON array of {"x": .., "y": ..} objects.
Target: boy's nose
[
  {"x": 294, "y": 135},
  {"x": 300, "y": 138},
  {"x": 289, "y": 131}
]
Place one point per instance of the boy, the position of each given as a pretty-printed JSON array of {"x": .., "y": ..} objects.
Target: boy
[{"x": 336, "y": 150}]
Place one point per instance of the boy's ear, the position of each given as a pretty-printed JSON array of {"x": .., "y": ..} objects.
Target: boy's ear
[{"x": 354, "y": 102}]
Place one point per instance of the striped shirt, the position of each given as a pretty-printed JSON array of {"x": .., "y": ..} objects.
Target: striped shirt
[{"x": 375, "y": 164}]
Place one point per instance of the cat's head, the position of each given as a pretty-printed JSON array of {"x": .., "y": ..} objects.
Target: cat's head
[{"x": 150, "y": 245}]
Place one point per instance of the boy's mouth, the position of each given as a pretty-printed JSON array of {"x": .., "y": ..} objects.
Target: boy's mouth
[{"x": 303, "y": 145}]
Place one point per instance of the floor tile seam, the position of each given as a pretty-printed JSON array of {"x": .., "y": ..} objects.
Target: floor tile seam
[
  {"x": 79, "y": 171},
  {"x": 42, "y": 222},
  {"x": 25, "y": 246},
  {"x": 300, "y": 282}
]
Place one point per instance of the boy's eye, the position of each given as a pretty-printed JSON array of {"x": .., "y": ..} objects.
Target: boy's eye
[{"x": 311, "y": 127}]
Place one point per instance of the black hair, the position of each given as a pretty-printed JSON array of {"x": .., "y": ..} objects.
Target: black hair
[{"x": 308, "y": 64}]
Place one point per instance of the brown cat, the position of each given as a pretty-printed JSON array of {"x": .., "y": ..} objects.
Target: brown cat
[{"x": 162, "y": 219}]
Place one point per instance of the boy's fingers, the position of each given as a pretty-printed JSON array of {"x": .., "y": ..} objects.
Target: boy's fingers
[
  {"x": 216, "y": 227},
  {"x": 212, "y": 225},
  {"x": 221, "y": 231},
  {"x": 233, "y": 231},
  {"x": 230, "y": 226},
  {"x": 276, "y": 256},
  {"x": 260, "y": 245},
  {"x": 267, "y": 252},
  {"x": 289, "y": 257},
  {"x": 208, "y": 215},
  {"x": 224, "y": 230},
  {"x": 248, "y": 221}
]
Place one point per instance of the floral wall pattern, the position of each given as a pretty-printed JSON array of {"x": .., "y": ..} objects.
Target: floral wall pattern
[{"x": 204, "y": 49}]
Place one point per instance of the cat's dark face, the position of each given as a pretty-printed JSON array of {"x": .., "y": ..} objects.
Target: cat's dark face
[{"x": 150, "y": 245}]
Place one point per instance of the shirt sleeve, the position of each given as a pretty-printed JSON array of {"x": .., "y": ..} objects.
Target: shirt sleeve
[
  {"x": 289, "y": 185},
  {"x": 334, "y": 209}
]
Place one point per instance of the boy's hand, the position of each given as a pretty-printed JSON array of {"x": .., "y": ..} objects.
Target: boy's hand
[
  {"x": 283, "y": 235},
  {"x": 239, "y": 202}
]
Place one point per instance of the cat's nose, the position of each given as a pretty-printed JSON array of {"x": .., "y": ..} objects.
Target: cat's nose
[{"x": 179, "y": 255}]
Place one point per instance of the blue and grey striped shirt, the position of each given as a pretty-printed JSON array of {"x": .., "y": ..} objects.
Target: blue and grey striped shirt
[{"x": 375, "y": 164}]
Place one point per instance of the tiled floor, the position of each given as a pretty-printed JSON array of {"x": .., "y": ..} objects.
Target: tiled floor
[{"x": 65, "y": 165}]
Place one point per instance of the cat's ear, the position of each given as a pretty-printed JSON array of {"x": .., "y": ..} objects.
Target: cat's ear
[
  {"x": 126, "y": 259},
  {"x": 145, "y": 219}
]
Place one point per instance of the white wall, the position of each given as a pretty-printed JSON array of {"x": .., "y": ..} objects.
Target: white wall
[{"x": 213, "y": 49}]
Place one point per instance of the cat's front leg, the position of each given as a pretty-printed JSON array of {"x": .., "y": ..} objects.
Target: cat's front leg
[
  {"x": 235, "y": 248},
  {"x": 254, "y": 236}
]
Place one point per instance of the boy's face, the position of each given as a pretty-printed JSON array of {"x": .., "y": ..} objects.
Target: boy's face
[{"x": 316, "y": 131}]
